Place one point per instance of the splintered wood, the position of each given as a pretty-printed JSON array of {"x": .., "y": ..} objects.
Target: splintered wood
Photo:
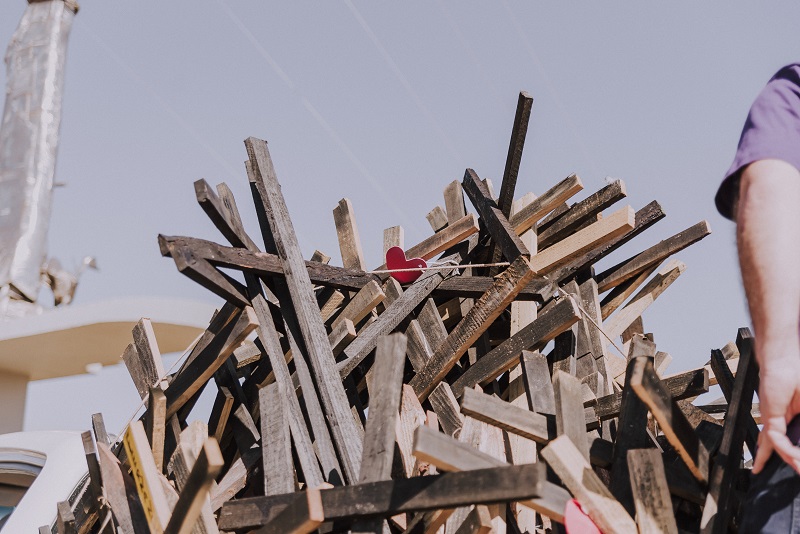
[{"x": 345, "y": 402}]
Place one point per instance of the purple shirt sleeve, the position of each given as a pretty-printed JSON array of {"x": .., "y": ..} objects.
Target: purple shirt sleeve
[{"x": 772, "y": 131}]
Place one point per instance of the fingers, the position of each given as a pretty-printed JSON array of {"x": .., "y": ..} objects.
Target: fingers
[
  {"x": 784, "y": 447},
  {"x": 763, "y": 452}
]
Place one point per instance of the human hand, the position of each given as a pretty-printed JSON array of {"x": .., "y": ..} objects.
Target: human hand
[{"x": 779, "y": 395}]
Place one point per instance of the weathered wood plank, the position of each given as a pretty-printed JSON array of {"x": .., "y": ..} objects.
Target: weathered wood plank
[
  {"x": 672, "y": 422},
  {"x": 361, "y": 305},
  {"x": 717, "y": 509},
  {"x": 437, "y": 218},
  {"x": 302, "y": 516},
  {"x": 276, "y": 444},
  {"x": 443, "y": 239},
  {"x": 344, "y": 218},
  {"x": 448, "y": 454},
  {"x": 550, "y": 232},
  {"x": 391, "y": 497},
  {"x": 454, "y": 202},
  {"x": 394, "y": 314},
  {"x": 576, "y": 473},
  {"x": 501, "y": 414},
  {"x": 680, "y": 386},
  {"x": 547, "y": 202},
  {"x": 570, "y": 420},
  {"x": 195, "y": 492},
  {"x": 631, "y": 428},
  {"x": 379, "y": 432},
  {"x": 191, "y": 378},
  {"x": 345, "y": 432},
  {"x": 518, "y": 133},
  {"x": 617, "y": 274},
  {"x": 306, "y": 454},
  {"x": 493, "y": 218},
  {"x": 532, "y": 337},
  {"x": 394, "y": 236},
  {"x": 470, "y": 328},
  {"x": 593, "y": 236},
  {"x": 538, "y": 385},
  {"x": 148, "y": 483},
  {"x": 654, "y": 514}
]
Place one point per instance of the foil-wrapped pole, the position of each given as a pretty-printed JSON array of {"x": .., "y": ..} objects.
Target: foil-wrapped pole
[{"x": 29, "y": 141}]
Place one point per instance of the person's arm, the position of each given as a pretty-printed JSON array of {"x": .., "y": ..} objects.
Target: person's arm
[{"x": 768, "y": 236}]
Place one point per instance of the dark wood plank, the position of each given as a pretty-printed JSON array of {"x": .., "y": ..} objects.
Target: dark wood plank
[
  {"x": 654, "y": 513},
  {"x": 120, "y": 492},
  {"x": 495, "y": 221},
  {"x": 672, "y": 422},
  {"x": 155, "y": 419},
  {"x": 550, "y": 232},
  {"x": 719, "y": 502},
  {"x": 531, "y": 337},
  {"x": 726, "y": 382},
  {"x": 631, "y": 430},
  {"x": 220, "y": 216},
  {"x": 680, "y": 386},
  {"x": 470, "y": 328},
  {"x": 345, "y": 432},
  {"x": 386, "y": 498},
  {"x": 518, "y": 133},
  {"x": 629, "y": 268},
  {"x": 191, "y": 378}
]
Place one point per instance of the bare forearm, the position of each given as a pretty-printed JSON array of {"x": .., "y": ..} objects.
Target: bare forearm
[{"x": 768, "y": 235}]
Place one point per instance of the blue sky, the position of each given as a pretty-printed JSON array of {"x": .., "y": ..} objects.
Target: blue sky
[{"x": 386, "y": 103}]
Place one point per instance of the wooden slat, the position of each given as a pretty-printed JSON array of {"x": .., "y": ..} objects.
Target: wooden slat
[
  {"x": 195, "y": 492},
  {"x": 576, "y": 473},
  {"x": 302, "y": 516},
  {"x": 394, "y": 236},
  {"x": 538, "y": 385},
  {"x": 190, "y": 444},
  {"x": 306, "y": 452},
  {"x": 347, "y": 231},
  {"x": 518, "y": 132},
  {"x": 654, "y": 514},
  {"x": 593, "y": 236},
  {"x": 364, "y": 344},
  {"x": 191, "y": 378},
  {"x": 570, "y": 420},
  {"x": 719, "y": 502},
  {"x": 470, "y": 328},
  {"x": 551, "y": 232},
  {"x": 532, "y": 337},
  {"x": 723, "y": 375},
  {"x": 618, "y": 322},
  {"x": 617, "y": 274},
  {"x": 617, "y": 296},
  {"x": 127, "y": 510},
  {"x": 672, "y": 422},
  {"x": 447, "y": 454},
  {"x": 345, "y": 432},
  {"x": 148, "y": 483},
  {"x": 680, "y": 386},
  {"x": 379, "y": 432},
  {"x": 341, "y": 336},
  {"x": 445, "y": 405},
  {"x": 631, "y": 428},
  {"x": 454, "y": 202},
  {"x": 387, "y": 498},
  {"x": 547, "y": 202},
  {"x": 276, "y": 445},
  {"x": 155, "y": 419},
  {"x": 361, "y": 304},
  {"x": 412, "y": 415},
  {"x": 495, "y": 221},
  {"x": 437, "y": 218},
  {"x": 501, "y": 414}
]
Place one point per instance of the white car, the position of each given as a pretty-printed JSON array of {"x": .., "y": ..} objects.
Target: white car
[{"x": 37, "y": 471}]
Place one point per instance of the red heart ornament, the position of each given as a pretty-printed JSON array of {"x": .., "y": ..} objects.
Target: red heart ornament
[
  {"x": 576, "y": 521},
  {"x": 396, "y": 259}
]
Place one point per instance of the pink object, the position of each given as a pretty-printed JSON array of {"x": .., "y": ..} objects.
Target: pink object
[
  {"x": 577, "y": 522},
  {"x": 396, "y": 259}
]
